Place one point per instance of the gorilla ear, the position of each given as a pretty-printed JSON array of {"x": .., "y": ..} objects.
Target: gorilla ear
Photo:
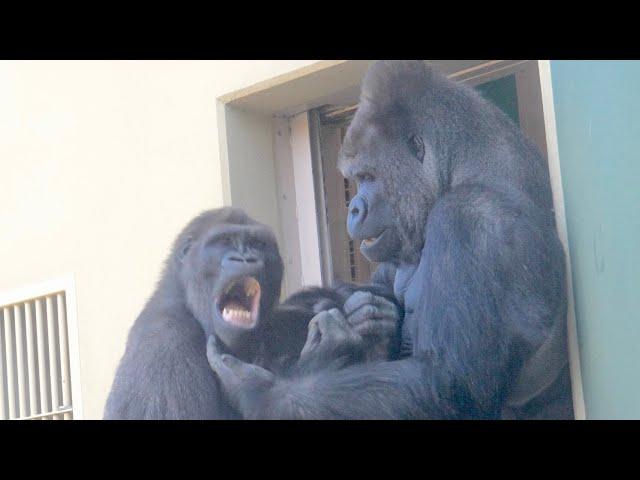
[
  {"x": 184, "y": 248},
  {"x": 416, "y": 145}
]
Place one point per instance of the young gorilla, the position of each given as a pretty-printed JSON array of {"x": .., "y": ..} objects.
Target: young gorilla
[
  {"x": 458, "y": 204},
  {"x": 222, "y": 279}
]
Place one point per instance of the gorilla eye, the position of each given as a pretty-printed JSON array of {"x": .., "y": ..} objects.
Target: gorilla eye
[
  {"x": 220, "y": 241},
  {"x": 417, "y": 147}
]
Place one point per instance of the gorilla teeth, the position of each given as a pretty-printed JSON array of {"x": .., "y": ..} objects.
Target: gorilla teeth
[
  {"x": 251, "y": 287},
  {"x": 371, "y": 240},
  {"x": 240, "y": 302},
  {"x": 234, "y": 315}
]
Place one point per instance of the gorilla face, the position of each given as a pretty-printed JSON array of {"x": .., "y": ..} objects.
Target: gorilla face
[
  {"x": 385, "y": 151},
  {"x": 231, "y": 272},
  {"x": 371, "y": 220},
  {"x": 389, "y": 211}
]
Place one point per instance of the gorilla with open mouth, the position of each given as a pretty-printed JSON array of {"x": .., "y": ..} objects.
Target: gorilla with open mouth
[{"x": 222, "y": 280}]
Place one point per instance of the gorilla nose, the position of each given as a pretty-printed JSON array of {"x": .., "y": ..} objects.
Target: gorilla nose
[
  {"x": 357, "y": 213},
  {"x": 240, "y": 259}
]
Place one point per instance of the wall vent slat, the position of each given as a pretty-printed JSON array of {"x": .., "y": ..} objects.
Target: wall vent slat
[{"x": 36, "y": 358}]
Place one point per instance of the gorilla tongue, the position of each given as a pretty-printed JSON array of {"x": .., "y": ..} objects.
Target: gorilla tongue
[{"x": 240, "y": 304}]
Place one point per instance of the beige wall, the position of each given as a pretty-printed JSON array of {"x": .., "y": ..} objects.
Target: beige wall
[{"x": 101, "y": 164}]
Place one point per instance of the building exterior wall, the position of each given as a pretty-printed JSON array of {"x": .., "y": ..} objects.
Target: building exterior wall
[
  {"x": 101, "y": 164},
  {"x": 596, "y": 105}
]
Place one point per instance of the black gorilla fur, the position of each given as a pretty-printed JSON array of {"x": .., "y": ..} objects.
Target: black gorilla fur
[
  {"x": 458, "y": 204},
  {"x": 164, "y": 372}
]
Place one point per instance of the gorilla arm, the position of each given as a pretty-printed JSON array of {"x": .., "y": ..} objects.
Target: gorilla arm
[
  {"x": 401, "y": 389},
  {"x": 163, "y": 374},
  {"x": 364, "y": 391},
  {"x": 479, "y": 270},
  {"x": 370, "y": 309}
]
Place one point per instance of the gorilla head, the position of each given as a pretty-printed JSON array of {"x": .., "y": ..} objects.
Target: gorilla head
[
  {"x": 229, "y": 270},
  {"x": 386, "y": 150}
]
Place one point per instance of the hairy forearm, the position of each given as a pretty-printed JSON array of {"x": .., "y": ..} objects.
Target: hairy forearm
[{"x": 385, "y": 390}]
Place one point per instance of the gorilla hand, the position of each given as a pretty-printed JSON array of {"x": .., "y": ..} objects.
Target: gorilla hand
[
  {"x": 377, "y": 321},
  {"x": 331, "y": 343},
  {"x": 244, "y": 384}
]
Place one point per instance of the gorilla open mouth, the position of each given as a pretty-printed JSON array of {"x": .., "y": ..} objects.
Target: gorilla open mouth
[
  {"x": 382, "y": 248},
  {"x": 371, "y": 241},
  {"x": 239, "y": 305}
]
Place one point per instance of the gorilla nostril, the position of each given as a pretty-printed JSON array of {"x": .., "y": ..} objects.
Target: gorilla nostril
[
  {"x": 240, "y": 258},
  {"x": 357, "y": 209}
]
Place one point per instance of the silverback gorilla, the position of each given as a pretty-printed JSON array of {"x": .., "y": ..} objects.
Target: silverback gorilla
[
  {"x": 223, "y": 278},
  {"x": 457, "y": 205}
]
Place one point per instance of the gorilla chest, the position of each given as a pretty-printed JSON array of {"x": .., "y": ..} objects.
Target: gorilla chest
[{"x": 407, "y": 288}]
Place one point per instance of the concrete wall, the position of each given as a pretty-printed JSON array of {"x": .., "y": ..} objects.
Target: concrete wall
[{"x": 101, "y": 164}]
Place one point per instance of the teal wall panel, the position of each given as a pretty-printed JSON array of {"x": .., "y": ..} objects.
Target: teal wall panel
[{"x": 597, "y": 107}]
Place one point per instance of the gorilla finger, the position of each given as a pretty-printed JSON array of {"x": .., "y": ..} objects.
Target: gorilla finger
[
  {"x": 338, "y": 329},
  {"x": 361, "y": 298},
  {"x": 313, "y": 337},
  {"x": 221, "y": 369},
  {"x": 217, "y": 360},
  {"x": 368, "y": 311},
  {"x": 337, "y": 316},
  {"x": 357, "y": 300},
  {"x": 333, "y": 324},
  {"x": 387, "y": 307},
  {"x": 212, "y": 345},
  {"x": 312, "y": 329},
  {"x": 231, "y": 366},
  {"x": 255, "y": 372},
  {"x": 329, "y": 317},
  {"x": 379, "y": 328},
  {"x": 213, "y": 354},
  {"x": 324, "y": 304},
  {"x": 231, "y": 362},
  {"x": 320, "y": 316},
  {"x": 363, "y": 314}
]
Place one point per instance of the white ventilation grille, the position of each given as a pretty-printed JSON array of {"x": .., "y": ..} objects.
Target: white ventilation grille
[{"x": 38, "y": 353}]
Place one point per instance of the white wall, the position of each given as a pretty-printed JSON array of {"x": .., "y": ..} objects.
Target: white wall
[{"x": 101, "y": 164}]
